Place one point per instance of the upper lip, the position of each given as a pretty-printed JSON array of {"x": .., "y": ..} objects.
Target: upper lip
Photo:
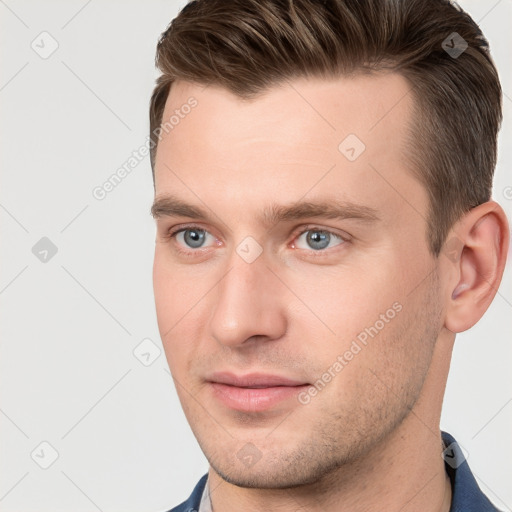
[{"x": 253, "y": 380}]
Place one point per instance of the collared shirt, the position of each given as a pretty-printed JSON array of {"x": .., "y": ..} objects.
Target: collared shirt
[
  {"x": 466, "y": 495},
  {"x": 206, "y": 501}
]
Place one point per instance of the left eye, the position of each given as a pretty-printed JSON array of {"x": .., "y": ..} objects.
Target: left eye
[{"x": 317, "y": 240}]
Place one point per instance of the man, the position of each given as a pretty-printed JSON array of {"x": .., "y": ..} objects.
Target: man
[{"x": 323, "y": 176}]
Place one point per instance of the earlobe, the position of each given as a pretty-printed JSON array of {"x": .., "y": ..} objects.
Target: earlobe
[{"x": 477, "y": 264}]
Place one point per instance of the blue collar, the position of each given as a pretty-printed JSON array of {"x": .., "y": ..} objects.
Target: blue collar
[{"x": 466, "y": 495}]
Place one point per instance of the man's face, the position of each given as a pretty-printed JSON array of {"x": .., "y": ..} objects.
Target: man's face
[{"x": 299, "y": 337}]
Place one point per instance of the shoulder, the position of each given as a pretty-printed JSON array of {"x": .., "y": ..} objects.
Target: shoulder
[
  {"x": 192, "y": 503},
  {"x": 466, "y": 494}
]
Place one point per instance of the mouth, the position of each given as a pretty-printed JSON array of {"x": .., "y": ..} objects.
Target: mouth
[{"x": 254, "y": 392}]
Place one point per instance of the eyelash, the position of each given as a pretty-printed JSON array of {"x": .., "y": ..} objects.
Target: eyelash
[{"x": 344, "y": 238}]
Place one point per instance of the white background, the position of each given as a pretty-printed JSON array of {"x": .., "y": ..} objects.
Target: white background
[{"x": 69, "y": 326}]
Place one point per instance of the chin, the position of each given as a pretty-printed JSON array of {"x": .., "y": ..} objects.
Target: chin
[
  {"x": 265, "y": 479},
  {"x": 277, "y": 471}
]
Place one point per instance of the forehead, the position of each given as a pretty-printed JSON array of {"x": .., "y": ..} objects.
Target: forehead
[{"x": 345, "y": 137}]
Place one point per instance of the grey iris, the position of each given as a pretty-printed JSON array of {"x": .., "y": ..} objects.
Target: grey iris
[
  {"x": 318, "y": 239},
  {"x": 194, "y": 237}
]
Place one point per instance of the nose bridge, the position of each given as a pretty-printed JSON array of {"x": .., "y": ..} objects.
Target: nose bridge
[{"x": 246, "y": 303}]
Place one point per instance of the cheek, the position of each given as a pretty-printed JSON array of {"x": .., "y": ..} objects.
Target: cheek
[
  {"x": 177, "y": 289},
  {"x": 347, "y": 299},
  {"x": 165, "y": 286},
  {"x": 177, "y": 300}
]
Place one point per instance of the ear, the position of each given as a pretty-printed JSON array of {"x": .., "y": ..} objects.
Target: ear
[{"x": 476, "y": 250}]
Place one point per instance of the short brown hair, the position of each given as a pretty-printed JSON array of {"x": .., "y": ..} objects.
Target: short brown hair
[{"x": 246, "y": 46}]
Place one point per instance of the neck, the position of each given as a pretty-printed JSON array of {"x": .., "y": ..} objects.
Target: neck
[{"x": 407, "y": 476}]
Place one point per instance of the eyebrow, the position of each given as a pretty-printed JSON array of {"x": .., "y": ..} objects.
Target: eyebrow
[{"x": 171, "y": 206}]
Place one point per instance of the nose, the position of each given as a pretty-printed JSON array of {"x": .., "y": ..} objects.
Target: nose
[{"x": 249, "y": 305}]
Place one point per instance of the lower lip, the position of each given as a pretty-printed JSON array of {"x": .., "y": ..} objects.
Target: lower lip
[{"x": 254, "y": 399}]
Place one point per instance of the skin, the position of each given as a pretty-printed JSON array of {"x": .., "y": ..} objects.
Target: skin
[{"x": 294, "y": 309}]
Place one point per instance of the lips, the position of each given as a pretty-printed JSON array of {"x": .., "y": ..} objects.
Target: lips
[{"x": 255, "y": 392}]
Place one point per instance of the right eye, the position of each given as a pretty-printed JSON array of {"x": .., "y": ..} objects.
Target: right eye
[{"x": 193, "y": 237}]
